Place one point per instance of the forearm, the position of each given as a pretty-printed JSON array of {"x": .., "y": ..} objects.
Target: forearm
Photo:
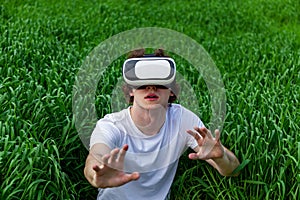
[
  {"x": 93, "y": 159},
  {"x": 89, "y": 172}
]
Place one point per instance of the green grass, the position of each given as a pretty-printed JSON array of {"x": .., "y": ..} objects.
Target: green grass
[{"x": 255, "y": 44}]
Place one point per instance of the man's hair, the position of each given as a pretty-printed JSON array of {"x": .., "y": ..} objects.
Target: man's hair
[{"x": 138, "y": 53}]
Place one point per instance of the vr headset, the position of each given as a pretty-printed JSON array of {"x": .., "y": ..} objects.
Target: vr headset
[{"x": 149, "y": 70}]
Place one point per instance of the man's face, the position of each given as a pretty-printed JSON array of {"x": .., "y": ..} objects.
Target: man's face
[{"x": 151, "y": 96}]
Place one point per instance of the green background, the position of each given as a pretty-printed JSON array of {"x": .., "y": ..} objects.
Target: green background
[{"x": 254, "y": 43}]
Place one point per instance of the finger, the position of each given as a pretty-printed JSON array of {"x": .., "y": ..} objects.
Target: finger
[
  {"x": 204, "y": 132},
  {"x": 125, "y": 178},
  {"x": 130, "y": 177},
  {"x": 122, "y": 153},
  {"x": 193, "y": 156},
  {"x": 200, "y": 131},
  {"x": 99, "y": 170},
  {"x": 113, "y": 155},
  {"x": 105, "y": 158},
  {"x": 134, "y": 176},
  {"x": 96, "y": 168},
  {"x": 217, "y": 133},
  {"x": 194, "y": 134}
]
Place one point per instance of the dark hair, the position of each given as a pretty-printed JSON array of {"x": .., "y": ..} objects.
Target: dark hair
[{"x": 138, "y": 53}]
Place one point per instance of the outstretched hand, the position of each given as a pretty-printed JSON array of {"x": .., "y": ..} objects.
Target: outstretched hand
[
  {"x": 110, "y": 173},
  {"x": 209, "y": 147}
]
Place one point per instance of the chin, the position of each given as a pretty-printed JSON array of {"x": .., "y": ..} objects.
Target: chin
[{"x": 156, "y": 106}]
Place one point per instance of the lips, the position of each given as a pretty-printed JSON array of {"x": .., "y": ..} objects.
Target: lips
[{"x": 151, "y": 97}]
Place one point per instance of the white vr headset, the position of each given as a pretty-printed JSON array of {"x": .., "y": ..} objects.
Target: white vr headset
[{"x": 149, "y": 71}]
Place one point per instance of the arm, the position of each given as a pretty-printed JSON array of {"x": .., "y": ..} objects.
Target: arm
[
  {"x": 211, "y": 150},
  {"x": 104, "y": 168}
]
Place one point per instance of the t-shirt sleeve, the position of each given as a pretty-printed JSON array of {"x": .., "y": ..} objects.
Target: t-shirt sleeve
[
  {"x": 189, "y": 121},
  {"x": 106, "y": 133}
]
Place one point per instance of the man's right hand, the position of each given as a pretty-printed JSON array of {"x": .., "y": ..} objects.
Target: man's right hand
[{"x": 110, "y": 172}]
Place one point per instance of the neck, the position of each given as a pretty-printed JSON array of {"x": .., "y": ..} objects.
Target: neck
[{"x": 148, "y": 121}]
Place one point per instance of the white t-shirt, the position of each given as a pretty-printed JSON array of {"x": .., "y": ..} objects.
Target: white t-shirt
[{"x": 154, "y": 157}]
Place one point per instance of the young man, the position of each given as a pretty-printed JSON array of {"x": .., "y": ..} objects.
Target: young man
[{"x": 134, "y": 153}]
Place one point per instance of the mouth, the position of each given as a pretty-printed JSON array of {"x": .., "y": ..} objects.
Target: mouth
[{"x": 151, "y": 97}]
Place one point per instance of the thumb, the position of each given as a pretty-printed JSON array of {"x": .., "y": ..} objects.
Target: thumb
[
  {"x": 193, "y": 156},
  {"x": 134, "y": 176}
]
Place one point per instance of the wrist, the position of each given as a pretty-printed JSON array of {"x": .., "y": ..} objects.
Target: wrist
[{"x": 222, "y": 157}]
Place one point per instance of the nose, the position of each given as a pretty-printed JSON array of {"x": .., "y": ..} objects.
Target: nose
[{"x": 151, "y": 87}]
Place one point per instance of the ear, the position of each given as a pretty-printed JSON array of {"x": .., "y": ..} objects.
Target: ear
[{"x": 131, "y": 93}]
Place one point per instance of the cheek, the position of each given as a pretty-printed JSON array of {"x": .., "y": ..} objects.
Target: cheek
[{"x": 167, "y": 95}]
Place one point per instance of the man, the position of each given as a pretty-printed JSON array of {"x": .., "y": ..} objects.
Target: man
[{"x": 134, "y": 153}]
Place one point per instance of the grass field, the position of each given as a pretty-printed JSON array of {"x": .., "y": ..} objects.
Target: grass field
[{"x": 254, "y": 43}]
